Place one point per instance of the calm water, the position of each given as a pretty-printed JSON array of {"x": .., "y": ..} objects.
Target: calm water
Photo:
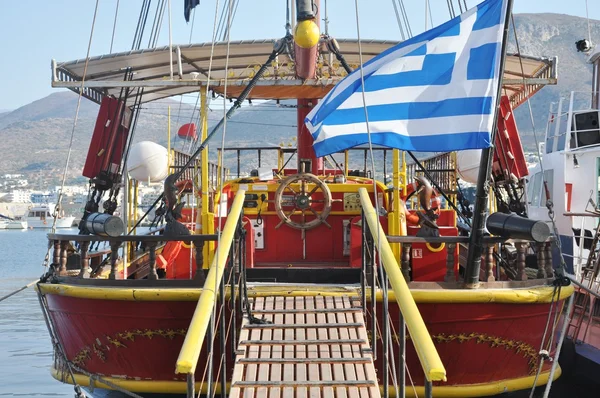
[{"x": 25, "y": 350}]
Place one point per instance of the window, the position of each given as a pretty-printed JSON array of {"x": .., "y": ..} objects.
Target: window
[{"x": 537, "y": 185}]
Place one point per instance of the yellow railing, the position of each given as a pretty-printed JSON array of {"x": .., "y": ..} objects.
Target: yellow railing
[
  {"x": 428, "y": 356},
  {"x": 190, "y": 351}
]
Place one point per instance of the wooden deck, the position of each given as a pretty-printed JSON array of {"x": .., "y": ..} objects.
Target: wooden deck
[{"x": 312, "y": 347}]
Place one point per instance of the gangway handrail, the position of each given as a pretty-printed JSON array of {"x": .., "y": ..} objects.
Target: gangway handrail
[
  {"x": 194, "y": 338},
  {"x": 428, "y": 356}
]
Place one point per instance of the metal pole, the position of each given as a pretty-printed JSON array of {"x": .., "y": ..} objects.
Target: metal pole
[
  {"x": 170, "y": 43},
  {"x": 363, "y": 270},
  {"x": 210, "y": 356},
  {"x": 481, "y": 200},
  {"x": 563, "y": 332},
  {"x": 223, "y": 336},
  {"x": 428, "y": 389},
  {"x": 190, "y": 386},
  {"x": 386, "y": 331},
  {"x": 371, "y": 245},
  {"x": 402, "y": 355}
]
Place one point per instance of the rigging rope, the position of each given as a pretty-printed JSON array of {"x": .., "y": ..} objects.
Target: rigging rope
[
  {"x": 587, "y": 17},
  {"x": 114, "y": 28},
  {"x": 81, "y": 90},
  {"x": 398, "y": 19}
]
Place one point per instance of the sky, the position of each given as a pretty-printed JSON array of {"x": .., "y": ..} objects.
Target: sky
[{"x": 33, "y": 32}]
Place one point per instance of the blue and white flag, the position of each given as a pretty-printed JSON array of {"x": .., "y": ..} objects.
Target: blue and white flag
[{"x": 434, "y": 92}]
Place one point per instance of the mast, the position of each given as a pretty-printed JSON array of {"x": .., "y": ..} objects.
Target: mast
[
  {"x": 482, "y": 193},
  {"x": 595, "y": 61},
  {"x": 306, "y": 44}
]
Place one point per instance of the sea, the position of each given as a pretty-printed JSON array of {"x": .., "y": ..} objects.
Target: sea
[{"x": 25, "y": 348}]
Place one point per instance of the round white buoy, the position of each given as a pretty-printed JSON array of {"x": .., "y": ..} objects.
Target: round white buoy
[
  {"x": 148, "y": 161},
  {"x": 467, "y": 164}
]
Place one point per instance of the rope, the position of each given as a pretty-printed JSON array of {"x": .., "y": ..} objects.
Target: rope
[
  {"x": 81, "y": 89},
  {"x": 398, "y": 19},
  {"x": 112, "y": 39},
  {"x": 19, "y": 290},
  {"x": 587, "y": 17}
]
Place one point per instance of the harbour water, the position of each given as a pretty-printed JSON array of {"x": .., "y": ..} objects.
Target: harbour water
[{"x": 25, "y": 349}]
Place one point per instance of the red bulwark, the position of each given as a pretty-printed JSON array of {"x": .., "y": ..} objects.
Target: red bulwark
[
  {"x": 109, "y": 138},
  {"x": 509, "y": 158}
]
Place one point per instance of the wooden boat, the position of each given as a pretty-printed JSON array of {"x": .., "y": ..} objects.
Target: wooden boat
[{"x": 291, "y": 283}]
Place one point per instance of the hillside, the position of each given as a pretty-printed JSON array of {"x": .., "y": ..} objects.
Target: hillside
[{"x": 34, "y": 138}]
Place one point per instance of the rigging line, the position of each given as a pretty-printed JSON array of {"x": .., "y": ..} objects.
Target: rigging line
[
  {"x": 154, "y": 22},
  {"x": 398, "y": 19},
  {"x": 587, "y": 16},
  {"x": 81, "y": 90},
  {"x": 430, "y": 15},
  {"x": 450, "y": 9},
  {"x": 114, "y": 27},
  {"x": 192, "y": 27},
  {"x": 139, "y": 33},
  {"x": 364, "y": 101},
  {"x": 460, "y": 7},
  {"x": 405, "y": 17}
]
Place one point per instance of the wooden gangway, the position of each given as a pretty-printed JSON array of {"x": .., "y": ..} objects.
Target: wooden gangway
[{"x": 314, "y": 346}]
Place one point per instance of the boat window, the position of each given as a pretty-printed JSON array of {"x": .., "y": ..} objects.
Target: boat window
[
  {"x": 536, "y": 194},
  {"x": 550, "y": 137},
  {"x": 31, "y": 214},
  {"x": 549, "y": 178},
  {"x": 586, "y": 127}
]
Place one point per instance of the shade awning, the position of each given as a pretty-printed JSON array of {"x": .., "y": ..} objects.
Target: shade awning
[{"x": 192, "y": 66}]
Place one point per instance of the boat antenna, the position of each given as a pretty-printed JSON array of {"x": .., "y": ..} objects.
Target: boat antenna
[{"x": 482, "y": 193}]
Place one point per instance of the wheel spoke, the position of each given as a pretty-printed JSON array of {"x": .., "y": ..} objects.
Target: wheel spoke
[
  {"x": 291, "y": 189},
  {"x": 315, "y": 213},
  {"x": 317, "y": 201},
  {"x": 290, "y": 213},
  {"x": 303, "y": 186},
  {"x": 313, "y": 190}
]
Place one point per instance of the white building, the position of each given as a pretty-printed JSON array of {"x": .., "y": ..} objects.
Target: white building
[{"x": 18, "y": 196}]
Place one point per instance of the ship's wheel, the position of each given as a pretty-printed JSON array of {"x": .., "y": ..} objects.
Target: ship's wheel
[{"x": 299, "y": 201}]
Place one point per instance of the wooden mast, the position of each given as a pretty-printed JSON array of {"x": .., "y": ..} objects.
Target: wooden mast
[{"x": 482, "y": 194}]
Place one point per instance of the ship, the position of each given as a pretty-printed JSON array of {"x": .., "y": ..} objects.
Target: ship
[
  {"x": 563, "y": 191},
  {"x": 301, "y": 279}
]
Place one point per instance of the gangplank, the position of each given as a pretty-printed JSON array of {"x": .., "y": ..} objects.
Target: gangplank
[{"x": 313, "y": 346}]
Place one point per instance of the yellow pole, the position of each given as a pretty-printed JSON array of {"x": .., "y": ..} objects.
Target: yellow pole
[
  {"x": 428, "y": 356},
  {"x": 396, "y": 213},
  {"x": 169, "y": 136},
  {"x": 207, "y": 218},
  {"x": 194, "y": 338},
  {"x": 346, "y": 160}
]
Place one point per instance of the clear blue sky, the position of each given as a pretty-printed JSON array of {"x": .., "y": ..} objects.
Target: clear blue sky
[{"x": 32, "y": 32}]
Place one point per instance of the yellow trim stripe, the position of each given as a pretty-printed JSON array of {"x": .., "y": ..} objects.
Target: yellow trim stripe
[
  {"x": 530, "y": 295},
  {"x": 179, "y": 387}
]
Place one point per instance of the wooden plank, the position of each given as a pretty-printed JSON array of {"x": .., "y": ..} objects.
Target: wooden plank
[
  {"x": 315, "y": 347},
  {"x": 277, "y": 350},
  {"x": 289, "y": 370},
  {"x": 264, "y": 369},
  {"x": 300, "y": 337}
]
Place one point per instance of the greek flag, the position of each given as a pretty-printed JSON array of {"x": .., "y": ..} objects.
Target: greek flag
[{"x": 434, "y": 92}]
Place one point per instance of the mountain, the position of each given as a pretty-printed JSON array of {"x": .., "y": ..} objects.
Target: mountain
[
  {"x": 549, "y": 35},
  {"x": 34, "y": 139}
]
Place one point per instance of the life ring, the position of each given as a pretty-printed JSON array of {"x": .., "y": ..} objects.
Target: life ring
[{"x": 435, "y": 249}]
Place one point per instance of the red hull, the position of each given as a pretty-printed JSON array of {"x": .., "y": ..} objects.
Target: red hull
[{"x": 478, "y": 343}]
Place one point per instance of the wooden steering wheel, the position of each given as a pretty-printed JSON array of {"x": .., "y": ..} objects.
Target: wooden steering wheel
[{"x": 302, "y": 201}]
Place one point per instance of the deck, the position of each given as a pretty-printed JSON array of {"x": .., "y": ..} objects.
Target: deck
[{"x": 312, "y": 347}]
